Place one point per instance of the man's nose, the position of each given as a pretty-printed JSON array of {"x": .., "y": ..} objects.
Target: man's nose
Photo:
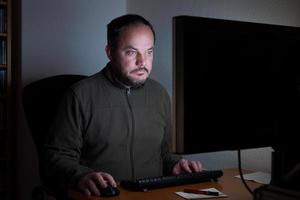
[{"x": 141, "y": 60}]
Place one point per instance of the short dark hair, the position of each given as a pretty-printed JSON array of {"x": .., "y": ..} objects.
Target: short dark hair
[{"x": 114, "y": 28}]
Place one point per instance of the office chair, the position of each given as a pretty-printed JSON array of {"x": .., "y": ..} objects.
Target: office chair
[{"x": 40, "y": 101}]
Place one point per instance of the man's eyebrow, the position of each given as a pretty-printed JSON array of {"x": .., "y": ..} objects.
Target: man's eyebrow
[{"x": 133, "y": 48}]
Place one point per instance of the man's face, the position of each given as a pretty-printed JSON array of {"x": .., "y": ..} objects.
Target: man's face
[{"x": 132, "y": 58}]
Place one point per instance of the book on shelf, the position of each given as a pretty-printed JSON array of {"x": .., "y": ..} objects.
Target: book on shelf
[
  {"x": 3, "y": 51},
  {"x": 3, "y": 19},
  {"x": 3, "y": 81}
]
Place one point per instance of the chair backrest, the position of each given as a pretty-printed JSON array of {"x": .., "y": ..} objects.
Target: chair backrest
[{"x": 40, "y": 101}]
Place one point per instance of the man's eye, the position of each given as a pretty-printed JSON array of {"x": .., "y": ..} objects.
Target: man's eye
[
  {"x": 150, "y": 52},
  {"x": 130, "y": 53}
]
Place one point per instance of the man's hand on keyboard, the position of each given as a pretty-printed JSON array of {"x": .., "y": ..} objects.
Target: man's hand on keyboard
[{"x": 187, "y": 166}]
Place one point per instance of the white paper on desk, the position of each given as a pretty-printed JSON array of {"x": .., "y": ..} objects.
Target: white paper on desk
[
  {"x": 201, "y": 196},
  {"x": 259, "y": 177}
]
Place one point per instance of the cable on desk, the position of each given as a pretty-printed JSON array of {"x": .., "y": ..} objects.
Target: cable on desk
[{"x": 241, "y": 173}]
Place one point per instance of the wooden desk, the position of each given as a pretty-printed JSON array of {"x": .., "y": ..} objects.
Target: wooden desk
[{"x": 228, "y": 184}]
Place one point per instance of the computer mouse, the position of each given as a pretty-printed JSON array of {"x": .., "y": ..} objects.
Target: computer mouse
[{"x": 109, "y": 191}]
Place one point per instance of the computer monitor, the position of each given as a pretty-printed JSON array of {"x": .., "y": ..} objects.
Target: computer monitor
[{"x": 235, "y": 84}]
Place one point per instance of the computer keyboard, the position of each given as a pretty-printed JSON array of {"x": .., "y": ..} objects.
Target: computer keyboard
[{"x": 166, "y": 181}]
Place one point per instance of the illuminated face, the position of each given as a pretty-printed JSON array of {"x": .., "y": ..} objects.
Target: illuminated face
[{"x": 132, "y": 58}]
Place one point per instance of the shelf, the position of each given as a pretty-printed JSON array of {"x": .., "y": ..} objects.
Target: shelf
[{"x": 6, "y": 159}]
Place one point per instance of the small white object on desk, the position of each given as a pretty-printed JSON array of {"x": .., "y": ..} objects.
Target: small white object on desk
[
  {"x": 201, "y": 196},
  {"x": 259, "y": 177}
]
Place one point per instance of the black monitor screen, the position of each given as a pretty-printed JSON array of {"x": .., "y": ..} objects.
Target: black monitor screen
[{"x": 236, "y": 84}]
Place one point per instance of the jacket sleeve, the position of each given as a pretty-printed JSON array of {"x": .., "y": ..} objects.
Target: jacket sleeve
[
  {"x": 169, "y": 158},
  {"x": 62, "y": 149}
]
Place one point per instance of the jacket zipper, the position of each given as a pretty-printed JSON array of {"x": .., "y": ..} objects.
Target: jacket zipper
[{"x": 128, "y": 93}]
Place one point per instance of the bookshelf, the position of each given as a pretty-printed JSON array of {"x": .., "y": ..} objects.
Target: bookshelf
[{"x": 5, "y": 99}]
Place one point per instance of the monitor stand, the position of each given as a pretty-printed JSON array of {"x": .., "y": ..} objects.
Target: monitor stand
[
  {"x": 286, "y": 169},
  {"x": 284, "y": 179}
]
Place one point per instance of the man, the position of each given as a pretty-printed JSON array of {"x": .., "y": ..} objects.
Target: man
[{"x": 116, "y": 124}]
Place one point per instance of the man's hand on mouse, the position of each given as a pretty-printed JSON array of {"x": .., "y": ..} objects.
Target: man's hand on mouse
[{"x": 90, "y": 183}]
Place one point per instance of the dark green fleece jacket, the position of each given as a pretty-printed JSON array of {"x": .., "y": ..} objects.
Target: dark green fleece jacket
[{"x": 103, "y": 126}]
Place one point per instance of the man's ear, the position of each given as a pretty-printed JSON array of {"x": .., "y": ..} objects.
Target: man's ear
[{"x": 108, "y": 51}]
